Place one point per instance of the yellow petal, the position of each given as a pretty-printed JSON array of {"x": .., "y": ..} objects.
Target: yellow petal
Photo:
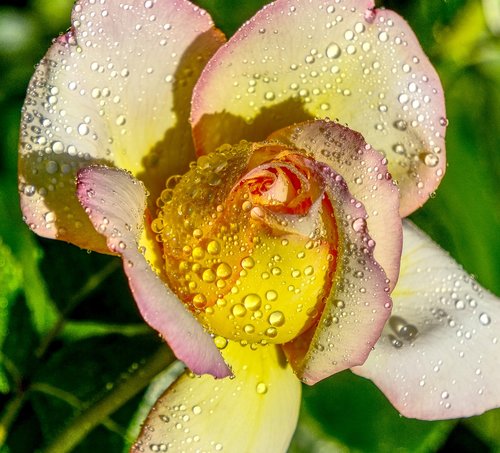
[{"x": 255, "y": 412}]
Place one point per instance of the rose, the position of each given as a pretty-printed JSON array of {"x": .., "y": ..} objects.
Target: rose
[{"x": 80, "y": 112}]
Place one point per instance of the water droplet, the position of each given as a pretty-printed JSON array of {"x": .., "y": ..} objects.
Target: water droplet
[
  {"x": 57, "y": 147},
  {"x": 359, "y": 224},
  {"x": 220, "y": 342},
  {"x": 209, "y": 276},
  {"x": 430, "y": 159},
  {"x": 484, "y": 319},
  {"x": 261, "y": 388},
  {"x": 120, "y": 120},
  {"x": 269, "y": 96},
  {"x": 333, "y": 50},
  {"x": 399, "y": 148},
  {"x": 198, "y": 253},
  {"x": 199, "y": 301},
  {"x": 29, "y": 190},
  {"x": 271, "y": 332},
  {"x": 308, "y": 271},
  {"x": 83, "y": 129},
  {"x": 239, "y": 310},
  {"x": 276, "y": 319},
  {"x": 383, "y": 36},
  {"x": 223, "y": 270},
  {"x": 252, "y": 302},
  {"x": 213, "y": 248},
  {"x": 403, "y": 98},
  {"x": 395, "y": 342},
  {"x": 51, "y": 167},
  {"x": 401, "y": 125},
  {"x": 271, "y": 295}
]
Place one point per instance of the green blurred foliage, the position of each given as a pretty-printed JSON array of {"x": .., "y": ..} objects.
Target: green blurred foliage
[{"x": 69, "y": 329}]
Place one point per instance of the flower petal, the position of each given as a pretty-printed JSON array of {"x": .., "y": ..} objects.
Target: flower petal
[
  {"x": 111, "y": 94},
  {"x": 358, "y": 304},
  {"x": 256, "y": 411},
  {"x": 115, "y": 203},
  {"x": 365, "y": 172},
  {"x": 438, "y": 357},
  {"x": 295, "y": 61}
]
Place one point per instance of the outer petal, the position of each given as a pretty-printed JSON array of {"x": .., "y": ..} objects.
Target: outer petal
[
  {"x": 358, "y": 305},
  {"x": 296, "y": 60},
  {"x": 114, "y": 90},
  {"x": 365, "y": 173},
  {"x": 256, "y": 412},
  {"x": 115, "y": 203},
  {"x": 439, "y": 355}
]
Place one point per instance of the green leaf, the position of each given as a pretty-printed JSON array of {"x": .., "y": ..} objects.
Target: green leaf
[
  {"x": 351, "y": 410},
  {"x": 10, "y": 284},
  {"x": 228, "y": 15},
  {"x": 486, "y": 428},
  {"x": 80, "y": 375}
]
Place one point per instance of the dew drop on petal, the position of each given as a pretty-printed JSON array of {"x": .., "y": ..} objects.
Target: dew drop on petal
[{"x": 484, "y": 319}]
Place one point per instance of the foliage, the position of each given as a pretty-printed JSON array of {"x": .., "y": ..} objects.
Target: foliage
[{"x": 73, "y": 347}]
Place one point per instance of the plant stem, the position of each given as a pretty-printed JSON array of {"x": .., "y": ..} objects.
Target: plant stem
[
  {"x": 9, "y": 415},
  {"x": 74, "y": 433}
]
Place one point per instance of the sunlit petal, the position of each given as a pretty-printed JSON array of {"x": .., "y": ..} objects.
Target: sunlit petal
[
  {"x": 115, "y": 203},
  {"x": 114, "y": 95},
  {"x": 256, "y": 411},
  {"x": 344, "y": 60},
  {"x": 438, "y": 357}
]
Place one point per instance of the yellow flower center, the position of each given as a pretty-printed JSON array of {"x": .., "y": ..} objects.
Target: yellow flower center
[{"x": 249, "y": 241}]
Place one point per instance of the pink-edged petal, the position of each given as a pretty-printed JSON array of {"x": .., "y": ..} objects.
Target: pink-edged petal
[
  {"x": 115, "y": 203},
  {"x": 358, "y": 304},
  {"x": 439, "y": 355},
  {"x": 256, "y": 411},
  {"x": 298, "y": 60},
  {"x": 114, "y": 90},
  {"x": 365, "y": 172}
]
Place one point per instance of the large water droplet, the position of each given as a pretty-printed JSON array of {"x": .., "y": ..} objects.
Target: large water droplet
[{"x": 333, "y": 50}]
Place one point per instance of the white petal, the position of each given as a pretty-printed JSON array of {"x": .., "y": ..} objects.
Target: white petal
[{"x": 439, "y": 356}]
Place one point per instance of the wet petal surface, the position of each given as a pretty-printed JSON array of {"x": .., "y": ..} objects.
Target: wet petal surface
[
  {"x": 249, "y": 241},
  {"x": 295, "y": 61},
  {"x": 114, "y": 95},
  {"x": 254, "y": 412},
  {"x": 365, "y": 172},
  {"x": 115, "y": 203},
  {"x": 358, "y": 303},
  {"x": 438, "y": 357}
]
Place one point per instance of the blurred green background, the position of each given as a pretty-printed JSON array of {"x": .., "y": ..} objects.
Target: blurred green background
[{"x": 70, "y": 335}]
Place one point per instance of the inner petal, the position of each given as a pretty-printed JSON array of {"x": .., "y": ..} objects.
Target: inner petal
[{"x": 249, "y": 241}]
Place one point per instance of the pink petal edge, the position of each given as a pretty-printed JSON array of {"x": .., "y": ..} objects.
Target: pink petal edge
[
  {"x": 365, "y": 172},
  {"x": 115, "y": 203},
  {"x": 358, "y": 304}
]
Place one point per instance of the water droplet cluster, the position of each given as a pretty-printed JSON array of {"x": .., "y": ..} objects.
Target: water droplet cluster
[
  {"x": 442, "y": 340},
  {"x": 361, "y": 68},
  {"x": 90, "y": 102},
  {"x": 245, "y": 242}
]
